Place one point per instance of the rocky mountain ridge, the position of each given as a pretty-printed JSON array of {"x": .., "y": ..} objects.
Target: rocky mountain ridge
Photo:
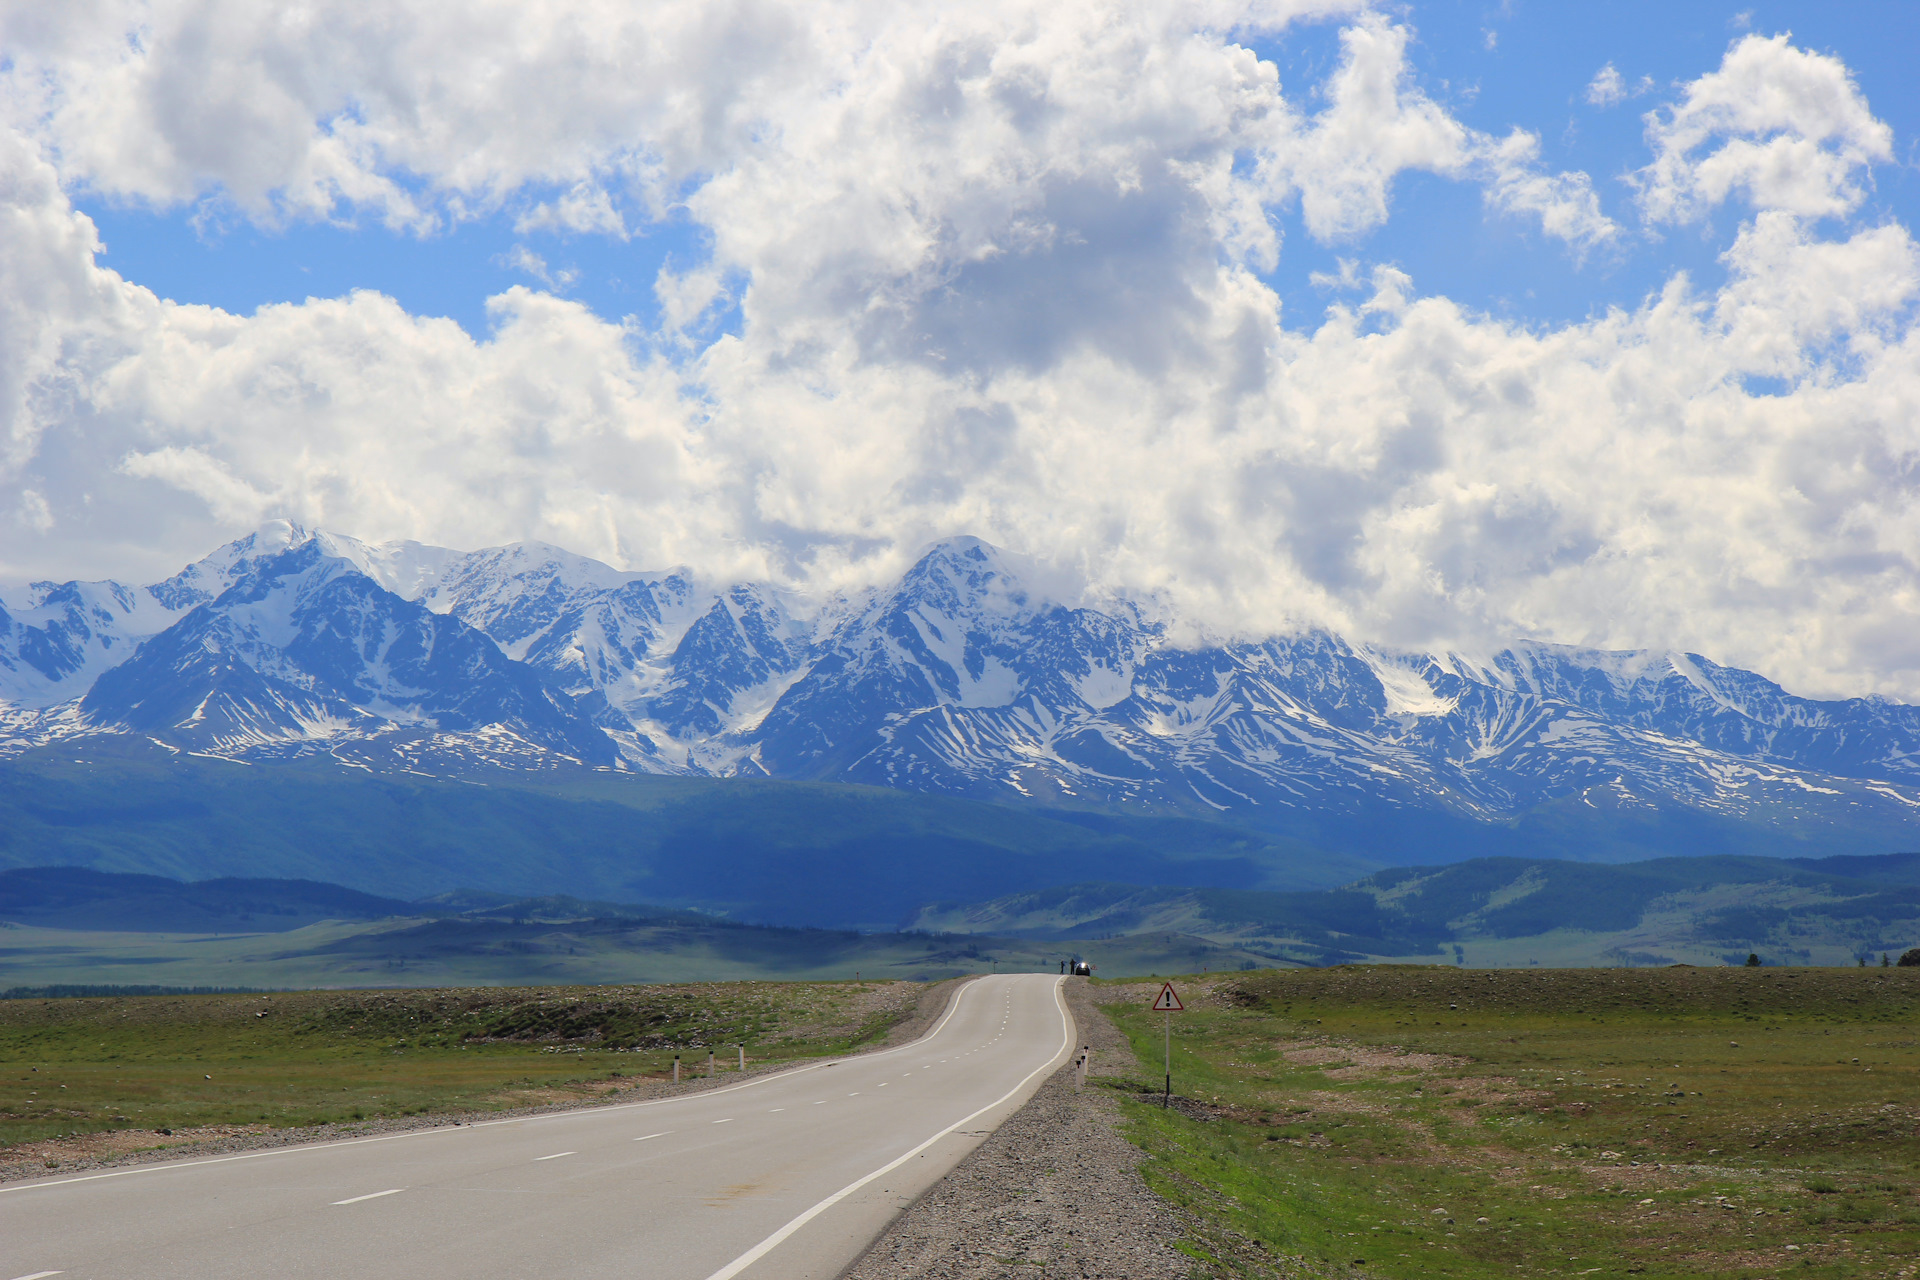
[{"x": 957, "y": 679}]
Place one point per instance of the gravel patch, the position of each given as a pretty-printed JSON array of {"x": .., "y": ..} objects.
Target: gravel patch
[{"x": 1054, "y": 1194}]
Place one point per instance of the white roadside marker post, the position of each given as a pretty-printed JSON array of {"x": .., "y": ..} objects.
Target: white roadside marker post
[
  {"x": 743, "y": 1057},
  {"x": 676, "y": 1068},
  {"x": 709, "y": 1064},
  {"x": 1167, "y": 1004}
]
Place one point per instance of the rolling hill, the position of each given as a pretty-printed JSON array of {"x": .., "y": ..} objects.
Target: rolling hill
[{"x": 1510, "y": 911}]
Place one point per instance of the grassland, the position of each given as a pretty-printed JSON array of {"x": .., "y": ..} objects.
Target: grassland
[
  {"x": 1508, "y": 913},
  {"x": 473, "y": 952},
  {"x": 81, "y": 1069},
  {"x": 1423, "y": 1122}
]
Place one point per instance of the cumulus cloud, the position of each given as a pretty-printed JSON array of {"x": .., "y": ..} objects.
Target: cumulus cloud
[
  {"x": 585, "y": 209},
  {"x": 1786, "y": 127},
  {"x": 994, "y": 269},
  {"x": 1565, "y": 203},
  {"x": 1609, "y": 88}
]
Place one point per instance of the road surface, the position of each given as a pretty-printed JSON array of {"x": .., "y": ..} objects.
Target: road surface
[{"x": 786, "y": 1175}]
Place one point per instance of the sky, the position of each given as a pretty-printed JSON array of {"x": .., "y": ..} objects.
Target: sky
[{"x": 1441, "y": 325}]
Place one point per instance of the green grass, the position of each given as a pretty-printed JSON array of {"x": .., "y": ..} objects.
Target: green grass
[
  {"x": 85, "y": 1066},
  {"x": 445, "y": 953},
  {"x": 1413, "y": 1122}
]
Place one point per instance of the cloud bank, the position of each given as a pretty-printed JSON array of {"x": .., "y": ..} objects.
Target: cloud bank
[{"x": 999, "y": 269}]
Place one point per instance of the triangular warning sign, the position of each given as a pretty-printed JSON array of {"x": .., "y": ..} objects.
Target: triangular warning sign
[{"x": 1167, "y": 1001}]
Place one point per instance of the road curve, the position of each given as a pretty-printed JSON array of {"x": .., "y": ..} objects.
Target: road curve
[{"x": 788, "y": 1175}]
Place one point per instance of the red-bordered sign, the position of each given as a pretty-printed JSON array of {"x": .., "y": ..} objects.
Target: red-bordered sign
[{"x": 1167, "y": 1001}]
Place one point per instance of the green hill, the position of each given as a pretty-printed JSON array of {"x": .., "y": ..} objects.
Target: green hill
[
  {"x": 1511, "y": 911},
  {"x": 776, "y": 852},
  {"x": 72, "y": 927}
]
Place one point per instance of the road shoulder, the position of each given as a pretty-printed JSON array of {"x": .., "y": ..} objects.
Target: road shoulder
[{"x": 1054, "y": 1193}]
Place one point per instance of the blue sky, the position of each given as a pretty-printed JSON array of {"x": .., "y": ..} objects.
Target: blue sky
[
  {"x": 1494, "y": 66},
  {"x": 1003, "y": 269}
]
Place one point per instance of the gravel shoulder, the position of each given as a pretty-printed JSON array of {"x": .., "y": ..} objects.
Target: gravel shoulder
[{"x": 1055, "y": 1193}]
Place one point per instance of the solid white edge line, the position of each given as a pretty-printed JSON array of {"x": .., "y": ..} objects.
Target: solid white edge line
[
  {"x": 373, "y": 1195},
  {"x": 953, "y": 1007},
  {"x": 768, "y": 1245}
]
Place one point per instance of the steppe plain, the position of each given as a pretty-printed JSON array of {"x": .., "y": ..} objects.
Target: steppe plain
[{"x": 1394, "y": 1121}]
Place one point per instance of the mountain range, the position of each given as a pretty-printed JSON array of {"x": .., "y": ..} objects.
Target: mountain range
[{"x": 961, "y": 679}]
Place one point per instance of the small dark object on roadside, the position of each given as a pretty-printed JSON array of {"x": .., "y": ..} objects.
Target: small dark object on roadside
[{"x": 1910, "y": 958}]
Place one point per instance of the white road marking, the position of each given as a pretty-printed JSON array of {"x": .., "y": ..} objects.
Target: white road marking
[
  {"x": 40, "y": 1275},
  {"x": 728, "y": 1120},
  {"x": 372, "y": 1195},
  {"x": 776, "y": 1109},
  {"x": 953, "y": 1007},
  {"x": 767, "y": 1246},
  {"x": 555, "y": 1156},
  {"x": 654, "y": 1135},
  {"x": 821, "y": 1103}
]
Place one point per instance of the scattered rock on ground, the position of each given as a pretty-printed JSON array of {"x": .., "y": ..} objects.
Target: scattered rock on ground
[{"x": 1054, "y": 1194}]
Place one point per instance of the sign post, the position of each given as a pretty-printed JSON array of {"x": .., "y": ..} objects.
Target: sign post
[{"x": 1168, "y": 1003}]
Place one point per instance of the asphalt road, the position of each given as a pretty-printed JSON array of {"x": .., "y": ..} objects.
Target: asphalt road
[{"x": 788, "y": 1175}]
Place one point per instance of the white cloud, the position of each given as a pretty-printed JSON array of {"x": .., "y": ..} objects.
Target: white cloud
[
  {"x": 1565, "y": 203},
  {"x": 33, "y": 512},
  {"x": 1785, "y": 126},
  {"x": 522, "y": 259},
  {"x": 586, "y": 209},
  {"x": 230, "y": 499},
  {"x": 1607, "y": 87},
  {"x": 992, "y": 269}
]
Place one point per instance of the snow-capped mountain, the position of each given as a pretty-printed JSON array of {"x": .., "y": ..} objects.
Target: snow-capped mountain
[
  {"x": 959, "y": 678},
  {"x": 305, "y": 647}
]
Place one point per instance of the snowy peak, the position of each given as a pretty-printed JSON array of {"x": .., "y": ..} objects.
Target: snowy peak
[
  {"x": 960, "y": 677},
  {"x": 517, "y": 590},
  {"x": 204, "y": 579},
  {"x": 962, "y": 578},
  {"x": 61, "y": 636},
  {"x": 730, "y": 665},
  {"x": 306, "y": 646}
]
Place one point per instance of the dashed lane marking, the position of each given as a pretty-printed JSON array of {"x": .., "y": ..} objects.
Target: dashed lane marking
[
  {"x": 371, "y": 1195},
  {"x": 728, "y": 1120},
  {"x": 555, "y": 1156},
  {"x": 661, "y": 1134}
]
